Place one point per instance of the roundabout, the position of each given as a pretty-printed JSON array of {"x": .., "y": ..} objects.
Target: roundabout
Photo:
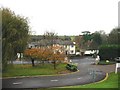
[{"x": 87, "y": 73}]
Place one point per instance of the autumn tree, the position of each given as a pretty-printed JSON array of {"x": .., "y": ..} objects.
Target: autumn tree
[
  {"x": 58, "y": 52},
  {"x": 32, "y": 54},
  {"x": 44, "y": 54},
  {"x": 51, "y": 53},
  {"x": 15, "y": 30},
  {"x": 48, "y": 50},
  {"x": 57, "y": 56}
]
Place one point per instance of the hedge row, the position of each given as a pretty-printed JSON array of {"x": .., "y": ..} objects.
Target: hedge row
[{"x": 109, "y": 52}]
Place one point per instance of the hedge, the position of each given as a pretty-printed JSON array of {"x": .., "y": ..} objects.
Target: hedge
[{"x": 109, "y": 52}]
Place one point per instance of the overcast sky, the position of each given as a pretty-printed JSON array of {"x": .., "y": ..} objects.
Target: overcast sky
[{"x": 66, "y": 17}]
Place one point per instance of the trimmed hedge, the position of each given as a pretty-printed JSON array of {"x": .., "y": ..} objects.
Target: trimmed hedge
[{"x": 109, "y": 52}]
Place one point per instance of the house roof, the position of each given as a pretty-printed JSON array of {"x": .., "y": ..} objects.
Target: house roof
[{"x": 44, "y": 42}]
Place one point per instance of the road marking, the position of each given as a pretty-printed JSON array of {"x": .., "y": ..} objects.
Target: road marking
[
  {"x": 78, "y": 78},
  {"x": 14, "y": 77},
  {"x": 54, "y": 80},
  {"x": 16, "y": 83}
]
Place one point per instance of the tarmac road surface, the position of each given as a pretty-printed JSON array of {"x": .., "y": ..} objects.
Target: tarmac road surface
[{"x": 87, "y": 74}]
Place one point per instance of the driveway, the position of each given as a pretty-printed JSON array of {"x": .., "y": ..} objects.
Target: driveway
[{"x": 87, "y": 73}]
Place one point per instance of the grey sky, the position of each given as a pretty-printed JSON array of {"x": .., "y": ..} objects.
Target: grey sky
[{"x": 67, "y": 17}]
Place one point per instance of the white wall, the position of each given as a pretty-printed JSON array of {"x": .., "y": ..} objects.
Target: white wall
[
  {"x": 70, "y": 49},
  {"x": 31, "y": 45}
]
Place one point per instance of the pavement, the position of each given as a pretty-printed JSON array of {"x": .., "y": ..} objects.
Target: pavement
[{"x": 88, "y": 73}]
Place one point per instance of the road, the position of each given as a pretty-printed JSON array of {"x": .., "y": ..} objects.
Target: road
[{"x": 87, "y": 73}]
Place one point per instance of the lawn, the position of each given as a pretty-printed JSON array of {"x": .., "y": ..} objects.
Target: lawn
[
  {"x": 103, "y": 62},
  {"x": 28, "y": 70}
]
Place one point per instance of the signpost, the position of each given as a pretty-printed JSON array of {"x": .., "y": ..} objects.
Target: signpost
[
  {"x": 97, "y": 59},
  {"x": 94, "y": 72},
  {"x": 117, "y": 64},
  {"x": 116, "y": 68}
]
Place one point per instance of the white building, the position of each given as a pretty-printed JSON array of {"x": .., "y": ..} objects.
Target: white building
[
  {"x": 70, "y": 48},
  {"x": 67, "y": 46}
]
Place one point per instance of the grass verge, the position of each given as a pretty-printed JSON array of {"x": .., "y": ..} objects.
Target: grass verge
[
  {"x": 28, "y": 70},
  {"x": 103, "y": 62}
]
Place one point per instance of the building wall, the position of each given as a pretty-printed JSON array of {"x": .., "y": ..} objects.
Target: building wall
[
  {"x": 31, "y": 46},
  {"x": 70, "y": 49}
]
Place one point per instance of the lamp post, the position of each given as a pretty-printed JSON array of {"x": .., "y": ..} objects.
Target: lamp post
[
  {"x": 118, "y": 58},
  {"x": 92, "y": 72}
]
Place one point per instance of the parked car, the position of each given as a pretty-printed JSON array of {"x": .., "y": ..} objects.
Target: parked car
[
  {"x": 71, "y": 67},
  {"x": 117, "y": 59}
]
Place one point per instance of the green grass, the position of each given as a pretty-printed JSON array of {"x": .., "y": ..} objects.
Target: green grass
[
  {"x": 103, "y": 62},
  {"x": 28, "y": 70}
]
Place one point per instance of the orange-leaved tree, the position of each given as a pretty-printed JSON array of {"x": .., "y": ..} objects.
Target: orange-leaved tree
[
  {"x": 51, "y": 53},
  {"x": 38, "y": 53},
  {"x": 32, "y": 54},
  {"x": 57, "y": 56}
]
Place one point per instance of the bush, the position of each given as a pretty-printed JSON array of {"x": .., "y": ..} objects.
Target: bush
[
  {"x": 109, "y": 52},
  {"x": 71, "y": 67}
]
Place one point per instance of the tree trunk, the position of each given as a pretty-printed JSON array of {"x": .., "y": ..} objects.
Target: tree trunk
[
  {"x": 54, "y": 64},
  {"x": 20, "y": 56},
  {"x": 32, "y": 62},
  {"x": 43, "y": 62}
]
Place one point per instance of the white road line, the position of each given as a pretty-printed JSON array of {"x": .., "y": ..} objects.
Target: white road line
[
  {"x": 54, "y": 80},
  {"x": 78, "y": 78},
  {"x": 16, "y": 83}
]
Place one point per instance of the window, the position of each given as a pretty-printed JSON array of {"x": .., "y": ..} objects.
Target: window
[
  {"x": 71, "y": 51},
  {"x": 66, "y": 46},
  {"x": 72, "y": 45}
]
